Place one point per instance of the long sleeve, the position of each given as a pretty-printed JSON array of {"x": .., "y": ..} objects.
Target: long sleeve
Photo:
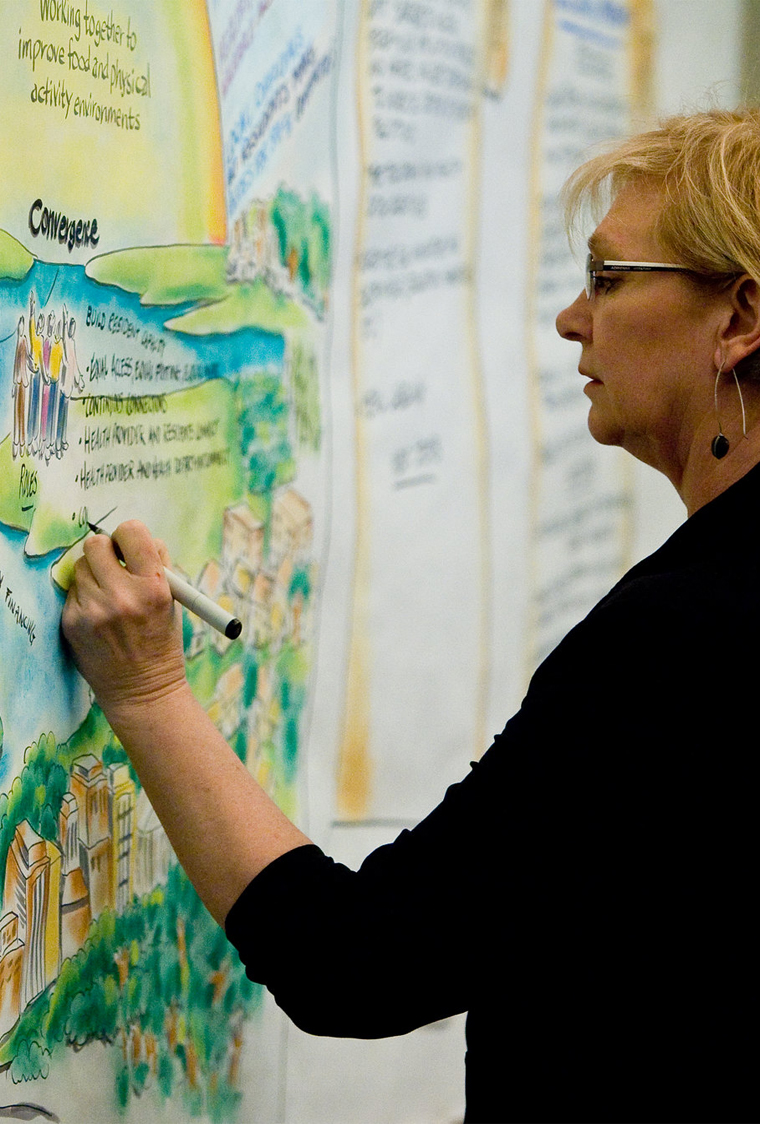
[{"x": 510, "y": 849}]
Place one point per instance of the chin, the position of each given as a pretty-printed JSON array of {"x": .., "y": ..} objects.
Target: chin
[{"x": 603, "y": 434}]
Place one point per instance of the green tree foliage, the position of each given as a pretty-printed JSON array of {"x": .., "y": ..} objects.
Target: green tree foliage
[
  {"x": 35, "y": 795},
  {"x": 48, "y": 824},
  {"x": 31, "y": 1061},
  {"x": 320, "y": 254},
  {"x": 187, "y": 630},
  {"x": 251, "y": 673},
  {"x": 165, "y": 1073},
  {"x": 202, "y": 985},
  {"x": 292, "y": 669},
  {"x": 263, "y": 410},
  {"x": 300, "y": 583},
  {"x": 303, "y": 235},
  {"x": 122, "y": 1088},
  {"x": 304, "y": 378}
]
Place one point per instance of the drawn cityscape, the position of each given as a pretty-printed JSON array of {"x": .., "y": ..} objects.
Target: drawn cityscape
[
  {"x": 111, "y": 847},
  {"x": 285, "y": 242},
  {"x": 107, "y": 850},
  {"x": 266, "y": 585}
]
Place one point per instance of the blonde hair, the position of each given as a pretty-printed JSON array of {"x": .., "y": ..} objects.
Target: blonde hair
[{"x": 708, "y": 165}]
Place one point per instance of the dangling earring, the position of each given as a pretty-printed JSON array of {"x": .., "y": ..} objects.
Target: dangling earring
[{"x": 719, "y": 445}]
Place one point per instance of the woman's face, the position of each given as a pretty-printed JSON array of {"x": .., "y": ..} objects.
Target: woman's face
[{"x": 648, "y": 341}]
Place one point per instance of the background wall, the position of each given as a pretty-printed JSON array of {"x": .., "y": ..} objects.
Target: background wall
[
  {"x": 703, "y": 54},
  {"x": 322, "y": 297}
]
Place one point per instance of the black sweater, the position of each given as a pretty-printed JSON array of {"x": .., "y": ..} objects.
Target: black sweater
[{"x": 585, "y": 893}]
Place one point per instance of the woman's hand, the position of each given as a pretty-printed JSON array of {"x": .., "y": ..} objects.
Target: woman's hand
[
  {"x": 122, "y": 623},
  {"x": 125, "y": 631}
]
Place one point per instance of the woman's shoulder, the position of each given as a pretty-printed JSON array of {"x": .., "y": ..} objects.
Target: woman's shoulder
[{"x": 668, "y": 626}]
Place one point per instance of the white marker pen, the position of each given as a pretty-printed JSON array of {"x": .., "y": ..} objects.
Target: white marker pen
[{"x": 191, "y": 598}]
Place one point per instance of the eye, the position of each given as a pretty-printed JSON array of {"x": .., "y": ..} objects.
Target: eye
[{"x": 603, "y": 284}]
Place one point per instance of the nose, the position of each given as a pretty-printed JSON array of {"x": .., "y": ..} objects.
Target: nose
[{"x": 574, "y": 322}]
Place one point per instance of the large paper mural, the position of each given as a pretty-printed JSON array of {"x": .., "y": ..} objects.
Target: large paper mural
[
  {"x": 162, "y": 363},
  {"x": 250, "y": 292}
]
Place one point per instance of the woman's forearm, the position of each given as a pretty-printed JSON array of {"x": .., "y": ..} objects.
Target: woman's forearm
[
  {"x": 222, "y": 825},
  {"x": 125, "y": 633}
]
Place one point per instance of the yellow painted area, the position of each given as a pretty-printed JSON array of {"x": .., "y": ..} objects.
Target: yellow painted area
[
  {"x": 168, "y": 504},
  {"x": 62, "y": 571},
  {"x": 496, "y": 46},
  {"x": 15, "y": 259},
  {"x": 115, "y": 121},
  {"x": 355, "y": 764},
  {"x": 496, "y": 12},
  {"x": 643, "y": 34},
  {"x": 354, "y": 779},
  {"x": 535, "y": 412}
]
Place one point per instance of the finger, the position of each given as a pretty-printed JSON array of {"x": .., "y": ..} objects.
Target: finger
[
  {"x": 101, "y": 560},
  {"x": 83, "y": 579},
  {"x": 163, "y": 552},
  {"x": 140, "y": 552},
  {"x": 83, "y": 592}
]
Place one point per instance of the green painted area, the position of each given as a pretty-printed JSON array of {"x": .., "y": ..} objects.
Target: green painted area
[
  {"x": 15, "y": 259},
  {"x": 304, "y": 376},
  {"x": 242, "y": 306},
  {"x": 37, "y": 792},
  {"x": 171, "y": 275},
  {"x": 164, "y": 274},
  {"x": 50, "y": 529},
  {"x": 90, "y": 737},
  {"x": 205, "y": 669},
  {"x": 263, "y": 411},
  {"x": 159, "y": 982},
  {"x": 305, "y": 241},
  {"x": 12, "y": 499},
  {"x": 184, "y": 499}
]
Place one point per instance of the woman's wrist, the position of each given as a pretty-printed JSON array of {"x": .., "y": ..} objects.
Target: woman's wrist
[{"x": 144, "y": 706}]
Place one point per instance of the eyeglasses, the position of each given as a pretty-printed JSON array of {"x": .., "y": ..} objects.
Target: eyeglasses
[{"x": 597, "y": 265}]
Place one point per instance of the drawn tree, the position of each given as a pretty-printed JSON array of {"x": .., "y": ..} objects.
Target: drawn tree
[
  {"x": 263, "y": 413},
  {"x": 304, "y": 379}
]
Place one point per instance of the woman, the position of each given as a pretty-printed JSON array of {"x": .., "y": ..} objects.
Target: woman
[{"x": 585, "y": 892}]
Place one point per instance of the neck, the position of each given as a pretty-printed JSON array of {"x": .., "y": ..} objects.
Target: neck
[{"x": 704, "y": 477}]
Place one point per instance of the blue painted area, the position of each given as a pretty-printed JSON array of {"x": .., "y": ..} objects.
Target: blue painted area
[
  {"x": 602, "y": 11},
  {"x": 591, "y": 35},
  {"x": 39, "y": 688},
  {"x": 28, "y": 706},
  {"x": 56, "y": 285}
]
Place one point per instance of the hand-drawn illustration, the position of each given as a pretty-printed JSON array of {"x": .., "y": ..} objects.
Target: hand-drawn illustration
[
  {"x": 45, "y": 374},
  {"x": 101, "y": 936},
  {"x": 98, "y": 924},
  {"x": 173, "y": 378}
]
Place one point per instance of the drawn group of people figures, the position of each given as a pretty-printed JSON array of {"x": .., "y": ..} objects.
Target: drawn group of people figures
[{"x": 45, "y": 374}]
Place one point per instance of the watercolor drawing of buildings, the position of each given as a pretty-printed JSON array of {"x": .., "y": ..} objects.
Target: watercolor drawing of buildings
[{"x": 52, "y": 891}]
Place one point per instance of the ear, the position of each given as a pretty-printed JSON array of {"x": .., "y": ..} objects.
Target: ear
[{"x": 739, "y": 335}]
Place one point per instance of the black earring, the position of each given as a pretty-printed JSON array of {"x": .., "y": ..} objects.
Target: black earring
[{"x": 719, "y": 446}]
